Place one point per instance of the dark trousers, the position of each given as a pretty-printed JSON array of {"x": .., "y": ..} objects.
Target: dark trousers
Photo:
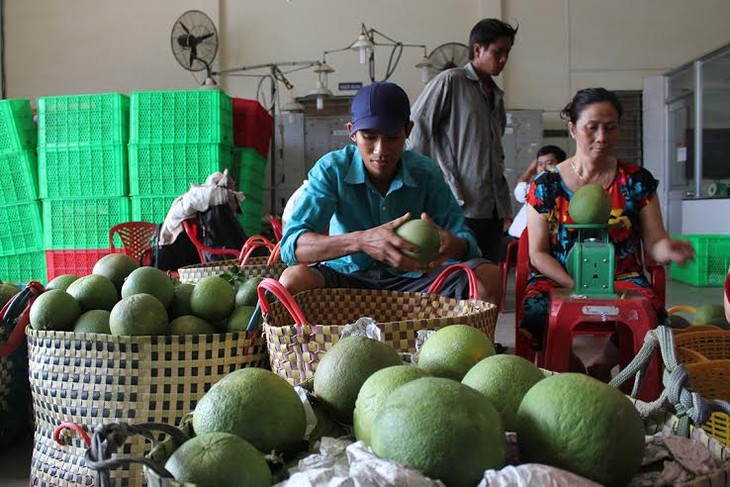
[{"x": 488, "y": 233}]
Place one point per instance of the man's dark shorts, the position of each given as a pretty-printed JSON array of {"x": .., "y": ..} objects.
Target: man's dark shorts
[{"x": 456, "y": 284}]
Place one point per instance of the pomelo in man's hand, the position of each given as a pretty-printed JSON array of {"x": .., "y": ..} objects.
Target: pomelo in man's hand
[{"x": 424, "y": 235}]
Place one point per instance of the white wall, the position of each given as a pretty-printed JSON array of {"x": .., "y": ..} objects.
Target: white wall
[{"x": 57, "y": 47}]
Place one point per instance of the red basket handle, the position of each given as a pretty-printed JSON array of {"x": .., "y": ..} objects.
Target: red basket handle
[
  {"x": 473, "y": 287},
  {"x": 17, "y": 335},
  {"x": 248, "y": 250},
  {"x": 275, "y": 255},
  {"x": 71, "y": 426},
  {"x": 275, "y": 288},
  {"x": 252, "y": 242}
]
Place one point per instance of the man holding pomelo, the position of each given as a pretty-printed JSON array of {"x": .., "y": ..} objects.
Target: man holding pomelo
[{"x": 364, "y": 192}]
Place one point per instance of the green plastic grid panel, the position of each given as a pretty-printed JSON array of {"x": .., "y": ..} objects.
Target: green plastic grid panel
[
  {"x": 22, "y": 268},
  {"x": 253, "y": 207},
  {"x": 181, "y": 117},
  {"x": 82, "y": 223},
  {"x": 83, "y": 120},
  {"x": 156, "y": 169},
  {"x": 21, "y": 230},
  {"x": 17, "y": 128},
  {"x": 151, "y": 208},
  {"x": 712, "y": 258},
  {"x": 249, "y": 164},
  {"x": 78, "y": 172},
  {"x": 251, "y": 225},
  {"x": 18, "y": 177}
]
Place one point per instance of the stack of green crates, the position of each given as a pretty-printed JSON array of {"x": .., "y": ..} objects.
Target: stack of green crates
[
  {"x": 710, "y": 265},
  {"x": 21, "y": 235},
  {"x": 176, "y": 138},
  {"x": 249, "y": 169},
  {"x": 82, "y": 161}
]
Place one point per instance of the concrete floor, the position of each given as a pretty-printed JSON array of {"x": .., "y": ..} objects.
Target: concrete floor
[{"x": 15, "y": 463}]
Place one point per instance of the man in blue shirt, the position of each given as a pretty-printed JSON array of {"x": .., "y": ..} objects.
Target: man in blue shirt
[{"x": 363, "y": 192}]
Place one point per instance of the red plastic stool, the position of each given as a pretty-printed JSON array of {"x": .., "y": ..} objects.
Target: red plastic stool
[
  {"x": 632, "y": 316},
  {"x": 505, "y": 266}
]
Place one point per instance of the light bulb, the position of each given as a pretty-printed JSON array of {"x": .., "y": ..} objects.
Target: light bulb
[
  {"x": 320, "y": 102},
  {"x": 363, "y": 54}
]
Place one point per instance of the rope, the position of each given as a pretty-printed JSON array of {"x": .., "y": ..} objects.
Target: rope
[
  {"x": 108, "y": 438},
  {"x": 687, "y": 403}
]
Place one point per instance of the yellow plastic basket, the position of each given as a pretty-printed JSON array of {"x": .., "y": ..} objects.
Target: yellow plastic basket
[{"x": 711, "y": 379}]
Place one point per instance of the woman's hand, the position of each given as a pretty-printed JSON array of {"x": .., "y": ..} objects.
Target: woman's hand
[{"x": 677, "y": 251}]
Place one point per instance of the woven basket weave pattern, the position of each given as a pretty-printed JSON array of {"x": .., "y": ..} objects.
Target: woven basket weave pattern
[
  {"x": 294, "y": 352},
  {"x": 255, "y": 268},
  {"x": 96, "y": 379}
]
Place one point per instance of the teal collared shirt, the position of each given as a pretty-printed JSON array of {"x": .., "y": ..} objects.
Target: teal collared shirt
[{"x": 340, "y": 194}]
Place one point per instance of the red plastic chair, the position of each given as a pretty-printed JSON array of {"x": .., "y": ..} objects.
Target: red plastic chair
[
  {"x": 136, "y": 240},
  {"x": 276, "y": 226},
  {"x": 191, "y": 228},
  {"x": 568, "y": 314}
]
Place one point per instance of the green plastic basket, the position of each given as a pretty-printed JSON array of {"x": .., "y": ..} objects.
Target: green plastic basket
[
  {"x": 77, "y": 172},
  {"x": 83, "y": 120},
  {"x": 17, "y": 129},
  {"x": 156, "y": 169},
  {"x": 181, "y": 117},
  {"x": 18, "y": 177},
  {"x": 151, "y": 208},
  {"x": 21, "y": 268},
  {"x": 248, "y": 163},
  {"x": 711, "y": 262},
  {"x": 21, "y": 230},
  {"x": 82, "y": 223}
]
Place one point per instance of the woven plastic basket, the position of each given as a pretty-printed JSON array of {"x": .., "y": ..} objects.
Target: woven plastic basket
[
  {"x": 710, "y": 344},
  {"x": 93, "y": 379},
  {"x": 300, "y": 329},
  {"x": 247, "y": 265}
]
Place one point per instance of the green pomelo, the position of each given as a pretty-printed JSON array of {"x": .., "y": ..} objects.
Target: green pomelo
[
  {"x": 443, "y": 428},
  {"x": 221, "y": 460},
  {"x": 54, "y": 310},
  {"x": 246, "y": 294},
  {"x": 709, "y": 314},
  {"x": 94, "y": 321},
  {"x": 7, "y": 291},
  {"x": 94, "y": 292},
  {"x": 590, "y": 204},
  {"x": 453, "y": 350},
  {"x": 149, "y": 280},
  {"x": 345, "y": 368},
  {"x": 577, "y": 423},
  {"x": 181, "y": 300},
  {"x": 255, "y": 404},
  {"x": 238, "y": 321},
  {"x": 504, "y": 380},
  {"x": 424, "y": 235},
  {"x": 190, "y": 325},
  {"x": 139, "y": 314},
  {"x": 116, "y": 267},
  {"x": 373, "y": 393},
  {"x": 212, "y": 298},
  {"x": 62, "y": 282},
  {"x": 677, "y": 321}
]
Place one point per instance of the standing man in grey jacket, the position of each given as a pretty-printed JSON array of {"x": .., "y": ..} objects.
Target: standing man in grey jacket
[{"x": 459, "y": 120}]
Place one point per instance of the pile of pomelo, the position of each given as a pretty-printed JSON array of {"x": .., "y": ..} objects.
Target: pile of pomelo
[
  {"x": 121, "y": 298},
  {"x": 446, "y": 415}
]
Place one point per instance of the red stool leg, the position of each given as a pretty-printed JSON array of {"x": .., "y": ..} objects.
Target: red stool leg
[{"x": 558, "y": 338}]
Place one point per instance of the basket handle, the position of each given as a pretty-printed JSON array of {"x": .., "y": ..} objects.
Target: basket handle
[
  {"x": 473, "y": 287},
  {"x": 249, "y": 248},
  {"x": 276, "y": 288},
  {"x": 71, "y": 426},
  {"x": 16, "y": 316},
  {"x": 681, "y": 308},
  {"x": 275, "y": 255}
]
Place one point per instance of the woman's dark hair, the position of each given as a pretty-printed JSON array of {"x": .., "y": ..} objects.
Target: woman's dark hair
[
  {"x": 554, "y": 150},
  {"x": 587, "y": 97},
  {"x": 489, "y": 30}
]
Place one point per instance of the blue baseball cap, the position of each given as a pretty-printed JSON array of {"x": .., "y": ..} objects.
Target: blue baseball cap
[{"x": 382, "y": 107}]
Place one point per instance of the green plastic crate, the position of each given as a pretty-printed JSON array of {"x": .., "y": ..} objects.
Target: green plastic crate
[
  {"x": 712, "y": 258},
  {"x": 17, "y": 128},
  {"x": 156, "y": 169},
  {"x": 18, "y": 177},
  {"x": 83, "y": 120},
  {"x": 21, "y": 268},
  {"x": 82, "y": 223},
  {"x": 78, "y": 172},
  {"x": 151, "y": 208},
  {"x": 251, "y": 225},
  {"x": 181, "y": 117},
  {"x": 21, "y": 230},
  {"x": 248, "y": 164}
]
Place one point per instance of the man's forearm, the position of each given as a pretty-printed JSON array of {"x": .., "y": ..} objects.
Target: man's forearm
[{"x": 314, "y": 247}]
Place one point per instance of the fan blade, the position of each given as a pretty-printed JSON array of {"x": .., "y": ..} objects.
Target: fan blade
[
  {"x": 184, "y": 28},
  {"x": 204, "y": 37},
  {"x": 193, "y": 55}
]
